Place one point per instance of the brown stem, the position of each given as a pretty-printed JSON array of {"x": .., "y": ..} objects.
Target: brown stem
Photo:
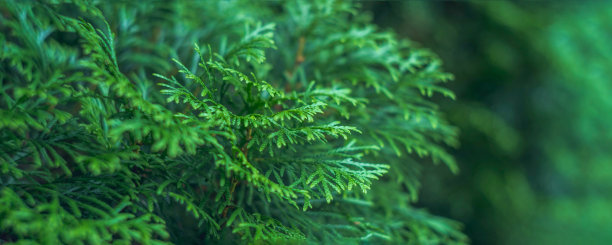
[
  {"x": 299, "y": 57},
  {"x": 234, "y": 184},
  {"x": 234, "y": 180},
  {"x": 248, "y": 139}
]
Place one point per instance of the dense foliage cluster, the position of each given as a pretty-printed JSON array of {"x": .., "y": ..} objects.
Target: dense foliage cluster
[{"x": 214, "y": 121}]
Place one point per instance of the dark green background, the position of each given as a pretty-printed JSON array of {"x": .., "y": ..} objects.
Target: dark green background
[{"x": 534, "y": 88}]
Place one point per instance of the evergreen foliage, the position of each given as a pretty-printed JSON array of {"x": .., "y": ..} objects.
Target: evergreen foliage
[{"x": 214, "y": 121}]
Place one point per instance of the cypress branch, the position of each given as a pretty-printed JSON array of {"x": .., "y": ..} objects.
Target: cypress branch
[{"x": 115, "y": 127}]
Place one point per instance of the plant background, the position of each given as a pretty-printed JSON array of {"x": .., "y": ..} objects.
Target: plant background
[{"x": 534, "y": 109}]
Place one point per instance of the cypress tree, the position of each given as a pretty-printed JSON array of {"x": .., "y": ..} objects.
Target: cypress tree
[{"x": 215, "y": 122}]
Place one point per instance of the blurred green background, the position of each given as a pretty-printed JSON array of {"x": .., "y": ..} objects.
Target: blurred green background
[{"x": 534, "y": 87}]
